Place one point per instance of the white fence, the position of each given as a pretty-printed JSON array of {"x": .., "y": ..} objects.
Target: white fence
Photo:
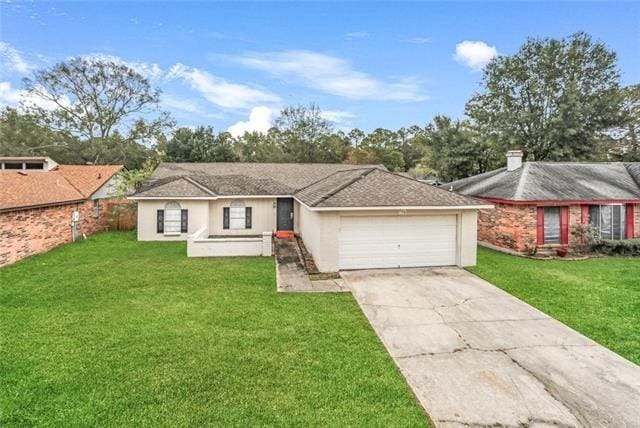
[{"x": 200, "y": 245}]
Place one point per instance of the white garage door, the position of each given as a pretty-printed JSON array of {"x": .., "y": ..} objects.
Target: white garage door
[{"x": 397, "y": 241}]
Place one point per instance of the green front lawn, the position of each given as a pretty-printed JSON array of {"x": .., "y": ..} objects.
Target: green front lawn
[
  {"x": 115, "y": 332},
  {"x": 598, "y": 297}
]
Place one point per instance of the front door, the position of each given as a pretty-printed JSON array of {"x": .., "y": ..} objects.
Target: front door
[{"x": 285, "y": 214}]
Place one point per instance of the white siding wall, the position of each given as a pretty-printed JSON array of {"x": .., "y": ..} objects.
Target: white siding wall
[
  {"x": 320, "y": 232},
  {"x": 468, "y": 237},
  {"x": 263, "y": 216},
  {"x": 147, "y": 216}
]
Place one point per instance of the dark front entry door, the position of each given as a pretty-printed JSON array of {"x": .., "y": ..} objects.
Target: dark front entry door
[{"x": 285, "y": 214}]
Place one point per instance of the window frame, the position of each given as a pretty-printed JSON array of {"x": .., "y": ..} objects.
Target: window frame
[
  {"x": 172, "y": 221},
  {"x": 547, "y": 241},
  {"x": 615, "y": 210}
]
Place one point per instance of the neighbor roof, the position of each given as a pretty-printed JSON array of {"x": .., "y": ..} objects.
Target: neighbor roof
[
  {"x": 315, "y": 185},
  {"x": 65, "y": 184},
  {"x": 556, "y": 181}
]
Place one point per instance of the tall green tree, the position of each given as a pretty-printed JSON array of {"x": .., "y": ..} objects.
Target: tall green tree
[
  {"x": 97, "y": 101},
  {"x": 623, "y": 142},
  {"x": 200, "y": 145},
  {"x": 552, "y": 98},
  {"x": 300, "y": 131},
  {"x": 457, "y": 150}
]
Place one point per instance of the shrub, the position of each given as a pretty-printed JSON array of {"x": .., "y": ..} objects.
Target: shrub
[{"x": 629, "y": 247}]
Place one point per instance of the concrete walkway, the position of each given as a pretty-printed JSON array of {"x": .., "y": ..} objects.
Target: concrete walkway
[
  {"x": 291, "y": 276},
  {"x": 476, "y": 356}
]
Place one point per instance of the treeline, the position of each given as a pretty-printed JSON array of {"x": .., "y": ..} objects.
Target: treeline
[{"x": 556, "y": 99}]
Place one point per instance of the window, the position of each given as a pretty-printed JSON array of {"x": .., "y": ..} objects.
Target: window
[
  {"x": 237, "y": 216},
  {"x": 34, "y": 165},
  {"x": 609, "y": 220},
  {"x": 96, "y": 208},
  {"x": 172, "y": 218},
  {"x": 552, "y": 225},
  {"x": 13, "y": 165}
]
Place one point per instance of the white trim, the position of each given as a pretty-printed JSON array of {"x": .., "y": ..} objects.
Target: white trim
[{"x": 254, "y": 196}]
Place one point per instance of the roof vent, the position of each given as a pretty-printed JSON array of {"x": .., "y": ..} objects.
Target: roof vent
[
  {"x": 514, "y": 160},
  {"x": 23, "y": 173}
]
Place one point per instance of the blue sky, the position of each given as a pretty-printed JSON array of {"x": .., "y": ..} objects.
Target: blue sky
[{"x": 368, "y": 65}]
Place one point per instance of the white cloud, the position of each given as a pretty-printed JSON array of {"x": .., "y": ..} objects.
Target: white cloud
[
  {"x": 474, "y": 54},
  {"x": 220, "y": 92},
  {"x": 148, "y": 70},
  {"x": 12, "y": 59},
  {"x": 186, "y": 105},
  {"x": 357, "y": 35},
  {"x": 331, "y": 75},
  {"x": 260, "y": 120},
  {"x": 11, "y": 97},
  {"x": 337, "y": 116}
]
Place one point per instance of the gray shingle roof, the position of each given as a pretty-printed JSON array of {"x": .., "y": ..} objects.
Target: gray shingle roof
[
  {"x": 317, "y": 185},
  {"x": 556, "y": 181},
  {"x": 374, "y": 187},
  {"x": 227, "y": 179}
]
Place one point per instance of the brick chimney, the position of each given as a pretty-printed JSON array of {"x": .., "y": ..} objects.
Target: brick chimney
[{"x": 514, "y": 160}]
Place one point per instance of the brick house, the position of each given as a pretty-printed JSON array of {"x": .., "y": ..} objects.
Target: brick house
[
  {"x": 38, "y": 199},
  {"x": 537, "y": 205}
]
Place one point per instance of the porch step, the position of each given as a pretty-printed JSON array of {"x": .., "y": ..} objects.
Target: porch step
[{"x": 285, "y": 234}]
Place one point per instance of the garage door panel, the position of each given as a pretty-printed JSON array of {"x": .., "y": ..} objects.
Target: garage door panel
[{"x": 397, "y": 241}]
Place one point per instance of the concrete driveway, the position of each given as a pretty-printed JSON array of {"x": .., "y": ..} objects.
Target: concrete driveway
[{"x": 476, "y": 356}]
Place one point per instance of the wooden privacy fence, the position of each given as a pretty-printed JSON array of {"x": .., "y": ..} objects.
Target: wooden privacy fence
[{"x": 121, "y": 214}]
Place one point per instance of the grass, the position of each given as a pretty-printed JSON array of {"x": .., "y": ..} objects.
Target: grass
[
  {"x": 114, "y": 332},
  {"x": 598, "y": 297}
]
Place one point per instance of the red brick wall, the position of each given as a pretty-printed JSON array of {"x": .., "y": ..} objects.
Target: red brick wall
[
  {"x": 32, "y": 231},
  {"x": 575, "y": 217},
  {"x": 636, "y": 214},
  {"x": 509, "y": 226}
]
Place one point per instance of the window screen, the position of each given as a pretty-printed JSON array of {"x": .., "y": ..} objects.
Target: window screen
[
  {"x": 237, "y": 218},
  {"x": 552, "y": 225},
  {"x": 609, "y": 220}
]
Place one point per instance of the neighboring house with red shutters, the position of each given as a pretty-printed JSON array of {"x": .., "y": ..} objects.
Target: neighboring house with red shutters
[
  {"x": 537, "y": 204},
  {"x": 38, "y": 199}
]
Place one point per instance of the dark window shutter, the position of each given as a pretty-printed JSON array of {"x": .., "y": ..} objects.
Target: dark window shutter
[
  {"x": 247, "y": 218},
  {"x": 225, "y": 218},
  {"x": 184, "y": 221},
  {"x": 160, "y": 221}
]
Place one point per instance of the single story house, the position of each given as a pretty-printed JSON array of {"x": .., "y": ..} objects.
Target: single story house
[
  {"x": 43, "y": 204},
  {"x": 539, "y": 204},
  {"x": 348, "y": 216}
]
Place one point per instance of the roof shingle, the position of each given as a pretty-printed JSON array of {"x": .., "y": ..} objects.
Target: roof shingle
[{"x": 555, "y": 181}]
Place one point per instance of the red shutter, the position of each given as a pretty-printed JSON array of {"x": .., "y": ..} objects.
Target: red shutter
[
  {"x": 540, "y": 226},
  {"x": 630, "y": 220},
  {"x": 564, "y": 225},
  {"x": 585, "y": 214}
]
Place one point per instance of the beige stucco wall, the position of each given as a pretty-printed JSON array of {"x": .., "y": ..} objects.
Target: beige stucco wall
[
  {"x": 320, "y": 231},
  {"x": 263, "y": 216},
  {"x": 147, "y": 212}
]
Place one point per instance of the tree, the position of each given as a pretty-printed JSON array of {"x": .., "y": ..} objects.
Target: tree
[
  {"x": 21, "y": 135},
  {"x": 200, "y": 145},
  {"x": 624, "y": 141},
  {"x": 552, "y": 98},
  {"x": 300, "y": 132},
  {"x": 97, "y": 101},
  {"x": 456, "y": 150}
]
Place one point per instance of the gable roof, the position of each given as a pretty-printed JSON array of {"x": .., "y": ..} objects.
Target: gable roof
[
  {"x": 315, "y": 185},
  {"x": 229, "y": 179},
  {"x": 372, "y": 187},
  {"x": 65, "y": 184},
  {"x": 556, "y": 181}
]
